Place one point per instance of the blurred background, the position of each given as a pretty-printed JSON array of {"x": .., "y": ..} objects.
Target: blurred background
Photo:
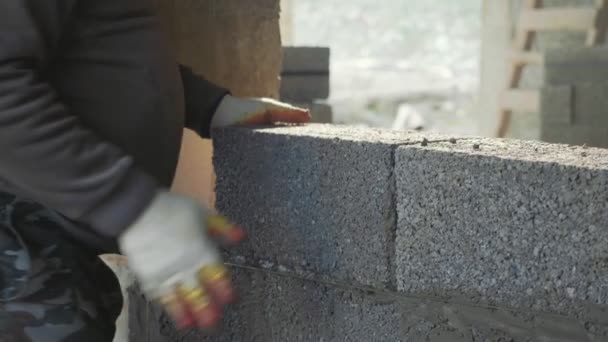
[
  {"x": 445, "y": 65},
  {"x": 386, "y": 54}
]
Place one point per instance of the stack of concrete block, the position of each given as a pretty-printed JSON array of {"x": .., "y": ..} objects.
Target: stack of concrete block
[
  {"x": 574, "y": 101},
  {"x": 371, "y": 235},
  {"x": 305, "y": 80}
]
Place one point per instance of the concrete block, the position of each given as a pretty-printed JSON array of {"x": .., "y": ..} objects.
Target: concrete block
[
  {"x": 556, "y": 105},
  {"x": 276, "y": 308},
  {"x": 374, "y": 235},
  {"x": 317, "y": 198},
  {"x": 322, "y": 113},
  {"x": 510, "y": 223},
  {"x": 589, "y": 135},
  {"x": 591, "y": 104},
  {"x": 566, "y": 134},
  {"x": 298, "y": 60},
  {"x": 304, "y": 88},
  {"x": 283, "y": 308},
  {"x": 570, "y": 66},
  {"x": 555, "y": 55},
  {"x": 576, "y": 114}
]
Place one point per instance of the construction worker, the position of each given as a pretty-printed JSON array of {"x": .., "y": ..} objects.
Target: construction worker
[{"x": 92, "y": 110}]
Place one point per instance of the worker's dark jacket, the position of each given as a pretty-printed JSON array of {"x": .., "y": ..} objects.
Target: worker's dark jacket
[{"x": 92, "y": 108}]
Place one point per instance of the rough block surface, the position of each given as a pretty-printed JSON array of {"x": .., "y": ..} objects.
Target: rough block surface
[
  {"x": 372, "y": 235},
  {"x": 317, "y": 198},
  {"x": 283, "y": 308},
  {"x": 517, "y": 224}
]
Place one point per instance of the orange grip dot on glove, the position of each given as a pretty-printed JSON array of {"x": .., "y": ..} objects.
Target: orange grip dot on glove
[
  {"x": 218, "y": 223},
  {"x": 205, "y": 313},
  {"x": 177, "y": 310},
  {"x": 219, "y": 226},
  {"x": 215, "y": 278},
  {"x": 212, "y": 273}
]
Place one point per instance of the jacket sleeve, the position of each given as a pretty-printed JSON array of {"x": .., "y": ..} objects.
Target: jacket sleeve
[
  {"x": 201, "y": 98},
  {"x": 46, "y": 153}
]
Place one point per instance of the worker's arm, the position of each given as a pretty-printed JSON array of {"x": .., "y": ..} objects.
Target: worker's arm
[
  {"x": 52, "y": 158},
  {"x": 208, "y": 106},
  {"x": 201, "y": 99},
  {"x": 45, "y": 151}
]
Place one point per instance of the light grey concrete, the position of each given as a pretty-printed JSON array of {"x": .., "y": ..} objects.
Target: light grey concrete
[
  {"x": 557, "y": 106},
  {"x": 572, "y": 66},
  {"x": 581, "y": 135},
  {"x": 591, "y": 104},
  {"x": 574, "y": 103},
  {"x": 276, "y": 308},
  {"x": 279, "y": 308},
  {"x": 304, "y": 88},
  {"x": 302, "y": 59},
  {"x": 305, "y": 74},
  {"x": 315, "y": 198},
  {"x": 510, "y": 223}
]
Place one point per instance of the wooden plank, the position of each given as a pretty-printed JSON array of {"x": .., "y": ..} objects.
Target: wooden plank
[
  {"x": 496, "y": 43},
  {"x": 521, "y": 100},
  {"x": 558, "y": 19},
  {"x": 523, "y": 42}
]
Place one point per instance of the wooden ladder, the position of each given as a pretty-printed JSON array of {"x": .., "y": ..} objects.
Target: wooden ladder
[{"x": 534, "y": 18}]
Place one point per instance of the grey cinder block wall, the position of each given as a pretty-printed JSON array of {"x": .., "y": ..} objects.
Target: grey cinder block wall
[{"x": 370, "y": 235}]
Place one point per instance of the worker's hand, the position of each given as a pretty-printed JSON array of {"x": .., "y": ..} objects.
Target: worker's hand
[
  {"x": 256, "y": 111},
  {"x": 171, "y": 252}
]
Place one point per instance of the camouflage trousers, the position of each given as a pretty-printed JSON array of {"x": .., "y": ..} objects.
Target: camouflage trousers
[{"x": 52, "y": 288}]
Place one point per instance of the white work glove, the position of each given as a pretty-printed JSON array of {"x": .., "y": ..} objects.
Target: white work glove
[
  {"x": 256, "y": 111},
  {"x": 171, "y": 252}
]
